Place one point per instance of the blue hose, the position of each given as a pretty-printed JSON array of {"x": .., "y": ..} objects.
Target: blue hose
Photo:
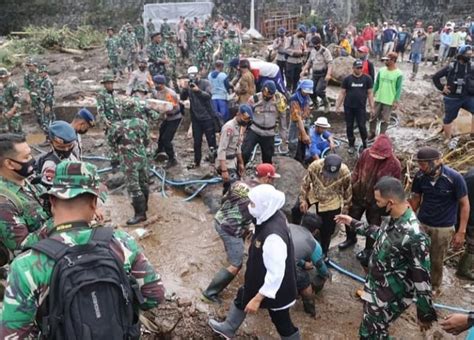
[
  {"x": 95, "y": 158},
  {"x": 195, "y": 193},
  {"x": 361, "y": 279},
  {"x": 104, "y": 170}
]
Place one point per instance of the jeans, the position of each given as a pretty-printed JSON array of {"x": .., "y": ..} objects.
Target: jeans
[
  {"x": 359, "y": 115},
  {"x": 266, "y": 143},
  {"x": 221, "y": 106},
  {"x": 200, "y": 128},
  {"x": 167, "y": 131},
  {"x": 378, "y": 48},
  {"x": 443, "y": 52}
]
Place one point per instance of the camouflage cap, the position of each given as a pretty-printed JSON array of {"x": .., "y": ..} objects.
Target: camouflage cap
[
  {"x": 43, "y": 68},
  {"x": 4, "y": 72},
  {"x": 73, "y": 178},
  {"x": 31, "y": 61},
  {"x": 107, "y": 78}
]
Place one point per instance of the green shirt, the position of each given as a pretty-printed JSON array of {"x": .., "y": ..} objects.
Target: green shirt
[{"x": 388, "y": 86}]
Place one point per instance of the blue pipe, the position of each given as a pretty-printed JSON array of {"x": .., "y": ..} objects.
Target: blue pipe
[
  {"x": 104, "y": 170},
  {"x": 361, "y": 279},
  {"x": 95, "y": 158}
]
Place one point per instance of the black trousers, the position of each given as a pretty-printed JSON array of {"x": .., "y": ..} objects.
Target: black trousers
[
  {"x": 360, "y": 116},
  {"x": 319, "y": 89},
  {"x": 292, "y": 76},
  {"x": 267, "y": 146},
  {"x": 301, "y": 152},
  {"x": 282, "y": 65},
  {"x": 281, "y": 318},
  {"x": 165, "y": 141},
  {"x": 200, "y": 128}
]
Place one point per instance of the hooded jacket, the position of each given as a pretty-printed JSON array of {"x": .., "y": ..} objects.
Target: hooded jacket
[{"x": 369, "y": 170}]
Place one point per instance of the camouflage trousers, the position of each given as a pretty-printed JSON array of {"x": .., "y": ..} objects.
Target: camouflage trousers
[
  {"x": 113, "y": 151},
  {"x": 376, "y": 320},
  {"x": 12, "y": 124},
  {"x": 114, "y": 64},
  {"x": 137, "y": 178},
  {"x": 131, "y": 57},
  {"x": 45, "y": 115}
]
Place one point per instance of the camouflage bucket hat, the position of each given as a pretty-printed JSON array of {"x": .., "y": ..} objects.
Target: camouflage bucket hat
[
  {"x": 43, "y": 68},
  {"x": 74, "y": 178},
  {"x": 4, "y": 72},
  {"x": 31, "y": 61},
  {"x": 107, "y": 78}
]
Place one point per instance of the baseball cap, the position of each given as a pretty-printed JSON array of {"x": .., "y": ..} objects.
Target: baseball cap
[
  {"x": 358, "y": 63},
  {"x": 266, "y": 170},
  {"x": 332, "y": 165},
  {"x": 73, "y": 178}
]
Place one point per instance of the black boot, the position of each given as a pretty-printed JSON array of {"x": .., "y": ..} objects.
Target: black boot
[
  {"x": 351, "y": 239},
  {"x": 146, "y": 194},
  {"x": 221, "y": 280},
  {"x": 309, "y": 306},
  {"x": 139, "y": 205},
  {"x": 115, "y": 165}
]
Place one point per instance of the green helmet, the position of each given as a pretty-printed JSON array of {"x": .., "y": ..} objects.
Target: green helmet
[
  {"x": 4, "y": 72},
  {"x": 107, "y": 78},
  {"x": 73, "y": 178}
]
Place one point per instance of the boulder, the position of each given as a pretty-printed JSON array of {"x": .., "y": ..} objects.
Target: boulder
[{"x": 342, "y": 67}]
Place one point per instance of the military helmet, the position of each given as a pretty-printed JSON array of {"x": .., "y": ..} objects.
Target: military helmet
[
  {"x": 4, "y": 72},
  {"x": 31, "y": 61},
  {"x": 107, "y": 78},
  {"x": 73, "y": 178}
]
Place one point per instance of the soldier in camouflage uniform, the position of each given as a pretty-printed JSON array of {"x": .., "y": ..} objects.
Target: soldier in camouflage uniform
[
  {"x": 203, "y": 57},
  {"x": 140, "y": 110},
  {"x": 140, "y": 33},
  {"x": 46, "y": 92},
  {"x": 109, "y": 111},
  {"x": 170, "y": 47},
  {"x": 399, "y": 267},
  {"x": 165, "y": 28},
  {"x": 74, "y": 198},
  {"x": 157, "y": 56},
  {"x": 131, "y": 137},
  {"x": 21, "y": 211},
  {"x": 150, "y": 28},
  {"x": 129, "y": 44},
  {"x": 230, "y": 48},
  {"x": 10, "y": 120},
  {"x": 112, "y": 44},
  {"x": 31, "y": 84}
]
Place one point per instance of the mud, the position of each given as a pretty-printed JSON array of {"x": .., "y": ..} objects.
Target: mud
[{"x": 186, "y": 250}]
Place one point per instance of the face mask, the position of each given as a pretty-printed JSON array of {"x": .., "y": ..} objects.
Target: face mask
[
  {"x": 26, "y": 167},
  {"x": 63, "y": 154},
  {"x": 465, "y": 58},
  {"x": 243, "y": 123},
  {"x": 317, "y": 48},
  {"x": 267, "y": 98},
  {"x": 433, "y": 169}
]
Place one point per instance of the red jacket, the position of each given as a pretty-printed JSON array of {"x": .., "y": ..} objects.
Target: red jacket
[{"x": 368, "y": 34}]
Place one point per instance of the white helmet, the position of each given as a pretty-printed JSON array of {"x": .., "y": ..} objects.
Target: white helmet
[{"x": 193, "y": 70}]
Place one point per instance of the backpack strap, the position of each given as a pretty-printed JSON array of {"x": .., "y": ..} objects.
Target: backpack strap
[
  {"x": 12, "y": 196},
  {"x": 102, "y": 235},
  {"x": 52, "y": 248}
]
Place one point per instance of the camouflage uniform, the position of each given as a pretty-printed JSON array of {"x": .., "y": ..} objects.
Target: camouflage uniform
[
  {"x": 46, "y": 89},
  {"x": 165, "y": 28},
  {"x": 150, "y": 27},
  {"x": 109, "y": 111},
  {"x": 156, "y": 55},
  {"x": 170, "y": 48},
  {"x": 10, "y": 99},
  {"x": 31, "y": 82},
  {"x": 230, "y": 49},
  {"x": 129, "y": 44},
  {"x": 21, "y": 213},
  {"x": 31, "y": 272},
  {"x": 399, "y": 270},
  {"x": 112, "y": 44},
  {"x": 140, "y": 34},
  {"x": 203, "y": 57},
  {"x": 139, "y": 110}
]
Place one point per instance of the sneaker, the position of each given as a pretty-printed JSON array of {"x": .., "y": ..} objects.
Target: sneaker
[
  {"x": 161, "y": 157},
  {"x": 351, "y": 150}
]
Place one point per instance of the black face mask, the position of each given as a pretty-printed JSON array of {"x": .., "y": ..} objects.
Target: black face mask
[
  {"x": 63, "y": 154},
  {"x": 267, "y": 99},
  {"x": 464, "y": 58},
  {"x": 317, "y": 47},
  {"x": 26, "y": 167},
  {"x": 433, "y": 169},
  {"x": 242, "y": 123}
]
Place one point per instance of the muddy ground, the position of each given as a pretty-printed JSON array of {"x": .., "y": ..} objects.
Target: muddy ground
[{"x": 187, "y": 251}]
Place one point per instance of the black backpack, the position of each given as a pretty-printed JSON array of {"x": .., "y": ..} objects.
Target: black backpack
[
  {"x": 91, "y": 296},
  {"x": 468, "y": 78}
]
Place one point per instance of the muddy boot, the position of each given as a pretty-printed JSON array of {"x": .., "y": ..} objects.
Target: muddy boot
[
  {"x": 466, "y": 266},
  {"x": 351, "y": 239},
  {"x": 221, "y": 280},
  {"x": 171, "y": 163},
  {"x": 229, "y": 327},
  {"x": 115, "y": 165},
  {"x": 326, "y": 105},
  {"x": 146, "y": 194},
  {"x": 309, "y": 306},
  {"x": 139, "y": 206},
  {"x": 295, "y": 336}
]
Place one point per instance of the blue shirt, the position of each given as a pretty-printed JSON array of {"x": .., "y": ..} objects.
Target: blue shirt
[
  {"x": 446, "y": 38},
  {"x": 219, "y": 85},
  {"x": 389, "y": 35},
  {"x": 440, "y": 199},
  {"x": 319, "y": 142},
  {"x": 402, "y": 38}
]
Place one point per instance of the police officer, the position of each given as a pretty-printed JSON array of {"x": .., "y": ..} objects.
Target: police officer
[
  {"x": 229, "y": 161},
  {"x": 82, "y": 122},
  {"x": 262, "y": 130},
  {"x": 62, "y": 138},
  {"x": 459, "y": 88}
]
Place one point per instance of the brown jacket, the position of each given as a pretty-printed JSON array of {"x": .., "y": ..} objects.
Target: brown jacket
[{"x": 245, "y": 87}]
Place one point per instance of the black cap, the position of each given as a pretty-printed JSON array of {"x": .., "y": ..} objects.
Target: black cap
[
  {"x": 358, "y": 63},
  {"x": 427, "y": 154},
  {"x": 332, "y": 165}
]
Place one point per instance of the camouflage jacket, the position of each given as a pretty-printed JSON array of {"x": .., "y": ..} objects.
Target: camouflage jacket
[
  {"x": 230, "y": 50},
  {"x": 165, "y": 28},
  {"x": 140, "y": 32},
  {"x": 108, "y": 107},
  {"x": 150, "y": 27},
  {"x": 399, "y": 267},
  {"x": 328, "y": 193},
  {"x": 31, "y": 272},
  {"x": 156, "y": 52},
  {"x": 46, "y": 88},
  {"x": 129, "y": 41},
  {"x": 171, "y": 52},
  {"x": 11, "y": 96},
  {"x": 203, "y": 56},
  {"x": 132, "y": 136},
  {"x": 31, "y": 81},
  {"x": 112, "y": 44},
  {"x": 21, "y": 212},
  {"x": 142, "y": 112}
]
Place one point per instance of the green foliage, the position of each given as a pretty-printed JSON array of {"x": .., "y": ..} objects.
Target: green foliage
[{"x": 313, "y": 20}]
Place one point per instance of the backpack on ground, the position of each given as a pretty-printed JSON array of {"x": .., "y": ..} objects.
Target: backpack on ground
[{"x": 91, "y": 296}]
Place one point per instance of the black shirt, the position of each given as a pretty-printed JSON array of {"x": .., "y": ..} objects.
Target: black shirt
[
  {"x": 452, "y": 73},
  {"x": 356, "y": 90}
]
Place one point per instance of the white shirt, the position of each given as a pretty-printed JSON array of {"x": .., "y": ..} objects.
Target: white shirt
[{"x": 269, "y": 70}]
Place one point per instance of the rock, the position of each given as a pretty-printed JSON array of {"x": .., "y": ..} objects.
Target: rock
[
  {"x": 74, "y": 80},
  {"x": 334, "y": 49},
  {"x": 79, "y": 68},
  {"x": 54, "y": 71},
  {"x": 342, "y": 67},
  {"x": 115, "y": 180},
  {"x": 183, "y": 302}
]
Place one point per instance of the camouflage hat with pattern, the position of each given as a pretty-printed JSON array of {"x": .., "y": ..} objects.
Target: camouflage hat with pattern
[
  {"x": 4, "y": 72},
  {"x": 73, "y": 178},
  {"x": 31, "y": 61},
  {"x": 43, "y": 68},
  {"x": 107, "y": 78}
]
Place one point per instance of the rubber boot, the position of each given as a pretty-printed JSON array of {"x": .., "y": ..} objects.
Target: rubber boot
[
  {"x": 326, "y": 105},
  {"x": 351, "y": 239},
  {"x": 466, "y": 266},
  {"x": 229, "y": 327},
  {"x": 295, "y": 336},
  {"x": 364, "y": 255},
  {"x": 139, "y": 205},
  {"x": 309, "y": 306},
  {"x": 146, "y": 194},
  {"x": 221, "y": 280}
]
